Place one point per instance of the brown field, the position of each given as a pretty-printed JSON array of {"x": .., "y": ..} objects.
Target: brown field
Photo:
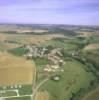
[
  {"x": 84, "y": 34},
  {"x": 93, "y": 96},
  {"x": 14, "y": 70},
  {"x": 42, "y": 96},
  {"x": 37, "y": 39},
  {"x": 96, "y": 33},
  {"x": 87, "y": 34},
  {"x": 11, "y": 45},
  {"x": 26, "y": 39},
  {"x": 5, "y": 28},
  {"x": 2, "y": 37},
  {"x": 92, "y": 46},
  {"x": 30, "y": 30}
]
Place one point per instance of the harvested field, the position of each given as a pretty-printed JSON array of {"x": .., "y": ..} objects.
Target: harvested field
[
  {"x": 2, "y": 37},
  {"x": 88, "y": 34},
  {"x": 11, "y": 45},
  {"x": 30, "y": 30},
  {"x": 96, "y": 33},
  {"x": 26, "y": 39},
  {"x": 42, "y": 96},
  {"x": 14, "y": 70},
  {"x": 92, "y": 46},
  {"x": 85, "y": 34}
]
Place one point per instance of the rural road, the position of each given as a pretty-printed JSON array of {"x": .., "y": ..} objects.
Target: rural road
[
  {"x": 14, "y": 96},
  {"x": 37, "y": 87}
]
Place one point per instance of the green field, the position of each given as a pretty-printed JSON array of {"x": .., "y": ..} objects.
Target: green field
[
  {"x": 20, "y": 51},
  {"x": 60, "y": 43},
  {"x": 72, "y": 80},
  {"x": 94, "y": 39},
  {"x": 20, "y": 98}
]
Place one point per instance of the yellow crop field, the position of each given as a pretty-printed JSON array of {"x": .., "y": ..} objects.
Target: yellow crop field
[{"x": 14, "y": 70}]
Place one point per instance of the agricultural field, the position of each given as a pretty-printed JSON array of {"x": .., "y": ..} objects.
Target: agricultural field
[
  {"x": 92, "y": 47},
  {"x": 94, "y": 39},
  {"x": 62, "y": 44},
  {"x": 42, "y": 96},
  {"x": 16, "y": 77},
  {"x": 11, "y": 67}
]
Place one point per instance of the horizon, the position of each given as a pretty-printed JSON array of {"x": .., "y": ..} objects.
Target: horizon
[
  {"x": 66, "y": 12},
  {"x": 47, "y": 24}
]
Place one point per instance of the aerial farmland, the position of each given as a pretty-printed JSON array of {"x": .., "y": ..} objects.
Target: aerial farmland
[{"x": 48, "y": 63}]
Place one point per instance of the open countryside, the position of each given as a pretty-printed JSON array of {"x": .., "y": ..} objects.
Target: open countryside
[{"x": 56, "y": 64}]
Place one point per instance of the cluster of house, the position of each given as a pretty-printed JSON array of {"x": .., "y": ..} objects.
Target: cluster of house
[
  {"x": 55, "y": 56},
  {"x": 35, "y": 51},
  {"x": 52, "y": 68}
]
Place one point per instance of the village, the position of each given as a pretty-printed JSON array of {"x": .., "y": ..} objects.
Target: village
[{"x": 53, "y": 55}]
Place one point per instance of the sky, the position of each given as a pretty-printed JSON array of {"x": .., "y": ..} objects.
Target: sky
[{"x": 76, "y": 12}]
